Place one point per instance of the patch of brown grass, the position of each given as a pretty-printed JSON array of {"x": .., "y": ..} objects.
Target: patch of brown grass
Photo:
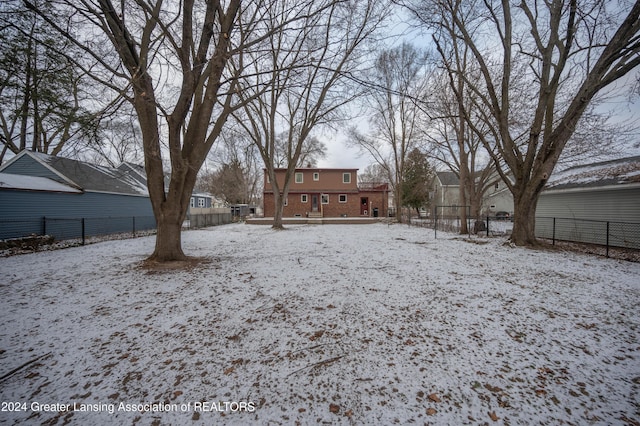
[{"x": 188, "y": 264}]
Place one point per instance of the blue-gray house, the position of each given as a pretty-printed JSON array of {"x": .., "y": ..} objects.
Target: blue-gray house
[{"x": 42, "y": 194}]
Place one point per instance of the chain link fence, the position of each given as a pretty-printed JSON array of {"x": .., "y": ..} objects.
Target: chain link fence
[
  {"x": 598, "y": 237},
  {"x": 622, "y": 235},
  {"x": 60, "y": 229}
]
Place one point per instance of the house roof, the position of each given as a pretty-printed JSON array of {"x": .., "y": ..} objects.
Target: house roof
[
  {"x": 315, "y": 169},
  {"x": 622, "y": 171},
  {"x": 448, "y": 179},
  {"x": 83, "y": 176},
  {"x": 33, "y": 183}
]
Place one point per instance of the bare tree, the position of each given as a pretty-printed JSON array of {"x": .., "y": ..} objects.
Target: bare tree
[
  {"x": 455, "y": 144},
  {"x": 373, "y": 173},
  {"x": 307, "y": 85},
  {"x": 313, "y": 149},
  {"x": 118, "y": 141},
  {"x": 238, "y": 170},
  {"x": 44, "y": 101},
  {"x": 397, "y": 113},
  {"x": 171, "y": 61},
  {"x": 542, "y": 65}
]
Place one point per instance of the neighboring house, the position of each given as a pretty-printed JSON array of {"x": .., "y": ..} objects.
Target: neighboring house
[
  {"x": 446, "y": 192},
  {"x": 316, "y": 192},
  {"x": 597, "y": 203},
  {"x": 497, "y": 198},
  {"x": 200, "y": 203},
  {"x": 446, "y": 189},
  {"x": 205, "y": 203},
  {"x": 35, "y": 186},
  {"x": 605, "y": 191}
]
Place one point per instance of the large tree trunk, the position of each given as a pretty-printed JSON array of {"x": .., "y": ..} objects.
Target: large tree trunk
[
  {"x": 170, "y": 213},
  {"x": 524, "y": 218},
  {"x": 169, "y": 237}
]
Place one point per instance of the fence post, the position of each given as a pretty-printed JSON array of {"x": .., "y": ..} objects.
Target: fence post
[
  {"x": 607, "y": 239},
  {"x": 134, "y": 226},
  {"x": 435, "y": 224},
  {"x": 553, "y": 234},
  {"x": 487, "y": 225},
  {"x": 82, "y": 221},
  {"x": 44, "y": 225}
]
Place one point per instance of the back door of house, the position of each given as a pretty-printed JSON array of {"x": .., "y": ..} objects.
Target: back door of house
[
  {"x": 364, "y": 206},
  {"x": 314, "y": 202}
]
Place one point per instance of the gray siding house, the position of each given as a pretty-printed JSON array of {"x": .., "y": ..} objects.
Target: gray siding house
[
  {"x": 446, "y": 190},
  {"x": 38, "y": 192},
  {"x": 446, "y": 193},
  {"x": 590, "y": 196}
]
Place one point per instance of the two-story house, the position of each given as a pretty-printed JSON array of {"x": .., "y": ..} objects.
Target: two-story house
[{"x": 317, "y": 193}]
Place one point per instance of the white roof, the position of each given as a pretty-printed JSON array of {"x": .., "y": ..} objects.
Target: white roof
[
  {"x": 33, "y": 183},
  {"x": 618, "y": 172}
]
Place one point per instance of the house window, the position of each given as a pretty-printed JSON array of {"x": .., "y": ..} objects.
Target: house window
[
  {"x": 299, "y": 177},
  {"x": 325, "y": 198},
  {"x": 346, "y": 178},
  {"x": 342, "y": 198},
  {"x": 192, "y": 203},
  {"x": 316, "y": 176},
  {"x": 200, "y": 202},
  {"x": 304, "y": 198}
]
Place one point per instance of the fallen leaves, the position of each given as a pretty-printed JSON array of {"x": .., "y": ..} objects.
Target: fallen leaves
[{"x": 318, "y": 334}]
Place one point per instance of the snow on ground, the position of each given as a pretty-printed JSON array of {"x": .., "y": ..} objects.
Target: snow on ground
[{"x": 343, "y": 324}]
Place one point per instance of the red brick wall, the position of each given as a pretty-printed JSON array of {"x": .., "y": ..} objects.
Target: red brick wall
[
  {"x": 334, "y": 209},
  {"x": 330, "y": 181},
  {"x": 379, "y": 200}
]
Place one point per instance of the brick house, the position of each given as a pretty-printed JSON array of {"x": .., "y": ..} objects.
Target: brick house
[{"x": 316, "y": 193}]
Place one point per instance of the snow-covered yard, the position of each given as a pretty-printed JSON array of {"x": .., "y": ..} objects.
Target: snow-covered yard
[{"x": 342, "y": 324}]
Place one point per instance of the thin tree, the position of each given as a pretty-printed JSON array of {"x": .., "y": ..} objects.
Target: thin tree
[
  {"x": 397, "y": 113},
  {"x": 542, "y": 64},
  {"x": 237, "y": 169},
  {"x": 455, "y": 144},
  {"x": 229, "y": 183},
  {"x": 308, "y": 84},
  {"x": 44, "y": 103},
  {"x": 313, "y": 149}
]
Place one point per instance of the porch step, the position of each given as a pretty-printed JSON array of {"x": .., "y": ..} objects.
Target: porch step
[{"x": 315, "y": 215}]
